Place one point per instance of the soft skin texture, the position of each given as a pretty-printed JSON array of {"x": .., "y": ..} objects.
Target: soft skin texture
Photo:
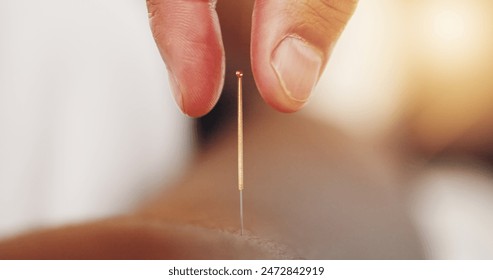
[
  {"x": 189, "y": 39},
  {"x": 310, "y": 193}
]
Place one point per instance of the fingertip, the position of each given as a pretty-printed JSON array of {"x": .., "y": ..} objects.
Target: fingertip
[
  {"x": 196, "y": 88},
  {"x": 291, "y": 44},
  {"x": 189, "y": 39},
  {"x": 279, "y": 60},
  {"x": 272, "y": 92},
  {"x": 290, "y": 74}
]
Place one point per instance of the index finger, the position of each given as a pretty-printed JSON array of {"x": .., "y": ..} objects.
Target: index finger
[{"x": 188, "y": 36}]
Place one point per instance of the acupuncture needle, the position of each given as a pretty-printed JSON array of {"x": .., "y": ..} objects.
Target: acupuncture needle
[{"x": 239, "y": 74}]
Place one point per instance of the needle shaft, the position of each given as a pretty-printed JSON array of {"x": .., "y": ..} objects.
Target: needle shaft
[{"x": 239, "y": 74}]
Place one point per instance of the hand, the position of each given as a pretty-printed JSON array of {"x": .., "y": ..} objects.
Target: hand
[{"x": 291, "y": 42}]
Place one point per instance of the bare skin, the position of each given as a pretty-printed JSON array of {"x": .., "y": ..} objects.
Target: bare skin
[{"x": 309, "y": 193}]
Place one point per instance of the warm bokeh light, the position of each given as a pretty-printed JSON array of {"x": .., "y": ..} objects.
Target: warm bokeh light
[
  {"x": 449, "y": 25},
  {"x": 450, "y": 32},
  {"x": 450, "y": 56},
  {"x": 426, "y": 61},
  {"x": 423, "y": 71},
  {"x": 362, "y": 85}
]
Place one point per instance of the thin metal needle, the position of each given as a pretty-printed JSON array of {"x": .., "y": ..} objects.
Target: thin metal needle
[{"x": 239, "y": 74}]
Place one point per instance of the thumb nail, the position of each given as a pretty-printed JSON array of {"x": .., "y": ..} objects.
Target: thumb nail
[{"x": 297, "y": 66}]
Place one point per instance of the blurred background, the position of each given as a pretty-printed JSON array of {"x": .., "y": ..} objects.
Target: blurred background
[
  {"x": 418, "y": 76},
  {"x": 88, "y": 127}
]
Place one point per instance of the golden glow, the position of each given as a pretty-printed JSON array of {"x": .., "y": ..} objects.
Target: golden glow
[
  {"x": 452, "y": 71},
  {"x": 449, "y": 26},
  {"x": 451, "y": 30},
  {"x": 431, "y": 57}
]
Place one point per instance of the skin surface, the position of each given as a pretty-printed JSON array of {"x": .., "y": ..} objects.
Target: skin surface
[{"x": 310, "y": 193}]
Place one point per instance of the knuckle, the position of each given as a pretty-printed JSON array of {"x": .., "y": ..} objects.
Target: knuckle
[
  {"x": 328, "y": 15},
  {"x": 342, "y": 6}
]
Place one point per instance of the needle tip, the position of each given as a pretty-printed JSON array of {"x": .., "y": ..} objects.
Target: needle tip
[
  {"x": 241, "y": 212},
  {"x": 239, "y": 73}
]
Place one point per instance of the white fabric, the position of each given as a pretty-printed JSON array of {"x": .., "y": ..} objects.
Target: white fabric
[{"x": 88, "y": 126}]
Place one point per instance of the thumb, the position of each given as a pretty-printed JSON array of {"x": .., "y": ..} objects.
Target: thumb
[
  {"x": 291, "y": 44},
  {"x": 189, "y": 39}
]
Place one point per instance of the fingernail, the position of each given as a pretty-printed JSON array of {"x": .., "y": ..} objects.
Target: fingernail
[
  {"x": 297, "y": 66},
  {"x": 175, "y": 89}
]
